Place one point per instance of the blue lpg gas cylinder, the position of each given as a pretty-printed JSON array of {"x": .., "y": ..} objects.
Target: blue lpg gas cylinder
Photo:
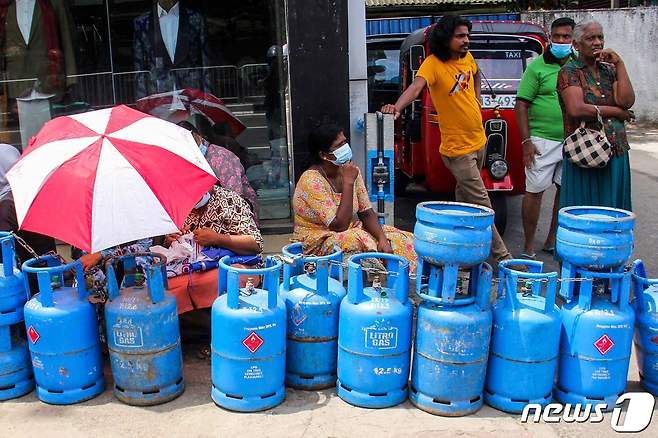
[
  {"x": 62, "y": 330},
  {"x": 596, "y": 339},
  {"x": 12, "y": 289},
  {"x": 15, "y": 369},
  {"x": 453, "y": 232},
  {"x": 645, "y": 291},
  {"x": 448, "y": 235},
  {"x": 374, "y": 335},
  {"x": 596, "y": 238},
  {"x": 453, "y": 330},
  {"x": 142, "y": 333},
  {"x": 525, "y": 340},
  {"x": 248, "y": 340},
  {"x": 312, "y": 301}
]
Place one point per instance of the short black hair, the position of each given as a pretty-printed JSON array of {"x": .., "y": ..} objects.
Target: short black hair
[
  {"x": 442, "y": 32},
  {"x": 190, "y": 127},
  {"x": 321, "y": 139},
  {"x": 563, "y": 21}
]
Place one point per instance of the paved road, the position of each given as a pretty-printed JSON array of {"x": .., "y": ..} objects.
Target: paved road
[{"x": 644, "y": 166}]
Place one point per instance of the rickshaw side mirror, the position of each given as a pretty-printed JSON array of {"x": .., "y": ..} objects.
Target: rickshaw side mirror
[{"x": 416, "y": 57}]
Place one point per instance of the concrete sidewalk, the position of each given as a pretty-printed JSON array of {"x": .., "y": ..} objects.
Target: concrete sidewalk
[{"x": 303, "y": 414}]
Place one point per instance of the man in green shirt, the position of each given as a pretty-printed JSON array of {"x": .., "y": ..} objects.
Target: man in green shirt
[{"x": 539, "y": 117}]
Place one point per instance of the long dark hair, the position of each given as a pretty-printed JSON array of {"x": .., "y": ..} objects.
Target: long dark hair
[
  {"x": 321, "y": 138},
  {"x": 442, "y": 33}
]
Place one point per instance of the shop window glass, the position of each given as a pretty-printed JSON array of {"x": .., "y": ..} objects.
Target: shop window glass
[{"x": 66, "y": 56}]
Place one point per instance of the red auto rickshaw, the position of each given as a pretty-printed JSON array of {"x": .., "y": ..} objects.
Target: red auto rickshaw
[{"x": 502, "y": 51}]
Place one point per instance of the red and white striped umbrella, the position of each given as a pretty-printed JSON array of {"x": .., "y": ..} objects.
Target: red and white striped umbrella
[
  {"x": 178, "y": 105},
  {"x": 107, "y": 177}
]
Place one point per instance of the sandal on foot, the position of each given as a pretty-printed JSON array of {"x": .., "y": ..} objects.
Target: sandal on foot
[{"x": 526, "y": 256}]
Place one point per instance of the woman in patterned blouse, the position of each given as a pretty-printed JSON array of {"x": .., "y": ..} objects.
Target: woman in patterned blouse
[
  {"x": 596, "y": 80},
  {"x": 225, "y": 221}
]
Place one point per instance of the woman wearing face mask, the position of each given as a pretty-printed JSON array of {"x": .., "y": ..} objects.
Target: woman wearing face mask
[
  {"x": 221, "y": 219},
  {"x": 330, "y": 194},
  {"x": 226, "y": 166}
]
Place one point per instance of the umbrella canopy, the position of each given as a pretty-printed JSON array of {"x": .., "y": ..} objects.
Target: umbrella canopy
[
  {"x": 178, "y": 105},
  {"x": 103, "y": 178}
]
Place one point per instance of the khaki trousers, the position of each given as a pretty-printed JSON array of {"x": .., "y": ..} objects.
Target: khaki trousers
[{"x": 470, "y": 188}]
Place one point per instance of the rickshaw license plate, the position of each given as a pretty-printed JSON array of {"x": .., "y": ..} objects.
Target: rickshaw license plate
[{"x": 507, "y": 101}]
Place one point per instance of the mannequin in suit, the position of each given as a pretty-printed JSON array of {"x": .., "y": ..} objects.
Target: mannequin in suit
[
  {"x": 36, "y": 42},
  {"x": 170, "y": 42}
]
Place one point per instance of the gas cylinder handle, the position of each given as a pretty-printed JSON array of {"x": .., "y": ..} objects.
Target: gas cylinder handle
[
  {"x": 355, "y": 293},
  {"x": 322, "y": 276},
  {"x": 509, "y": 278},
  {"x": 229, "y": 279},
  {"x": 640, "y": 283},
  {"x": 156, "y": 283},
  {"x": 400, "y": 283},
  {"x": 287, "y": 275},
  {"x": 296, "y": 250},
  {"x": 44, "y": 277},
  {"x": 154, "y": 274},
  {"x": 586, "y": 286},
  {"x": 484, "y": 280},
  {"x": 443, "y": 282},
  {"x": 293, "y": 252},
  {"x": 8, "y": 254}
]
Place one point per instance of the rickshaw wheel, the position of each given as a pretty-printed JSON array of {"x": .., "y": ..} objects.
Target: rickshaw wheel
[{"x": 499, "y": 205}]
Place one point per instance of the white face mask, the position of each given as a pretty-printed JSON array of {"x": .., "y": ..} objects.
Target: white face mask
[{"x": 203, "y": 201}]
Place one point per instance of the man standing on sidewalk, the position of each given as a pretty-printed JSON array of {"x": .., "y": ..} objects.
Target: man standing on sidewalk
[
  {"x": 453, "y": 79},
  {"x": 539, "y": 117}
]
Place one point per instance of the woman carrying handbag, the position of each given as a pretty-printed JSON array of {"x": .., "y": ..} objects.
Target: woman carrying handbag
[{"x": 596, "y": 96}]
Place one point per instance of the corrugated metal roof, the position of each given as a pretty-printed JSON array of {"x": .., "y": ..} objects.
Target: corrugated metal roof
[{"x": 385, "y": 3}]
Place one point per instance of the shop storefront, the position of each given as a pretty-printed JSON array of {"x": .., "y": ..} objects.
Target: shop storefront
[{"x": 63, "y": 57}]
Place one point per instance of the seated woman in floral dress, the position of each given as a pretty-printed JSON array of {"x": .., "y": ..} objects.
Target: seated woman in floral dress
[{"x": 330, "y": 194}]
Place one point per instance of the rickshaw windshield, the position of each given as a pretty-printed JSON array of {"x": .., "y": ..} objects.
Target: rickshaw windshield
[
  {"x": 502, "y": 61},
  {"x": 384, "y": 66},
  {"x": 503, "y": 68}
]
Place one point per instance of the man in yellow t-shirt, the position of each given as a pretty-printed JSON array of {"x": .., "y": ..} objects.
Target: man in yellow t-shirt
[{"x": 453, "y": 80}]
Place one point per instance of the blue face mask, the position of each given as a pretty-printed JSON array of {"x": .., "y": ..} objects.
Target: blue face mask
[
  {"x": 203, "y": 147},
  {"x": 203, "y": 201},
  {"x": 560, "y": 51},
  {"x": 343, "y": 154}
]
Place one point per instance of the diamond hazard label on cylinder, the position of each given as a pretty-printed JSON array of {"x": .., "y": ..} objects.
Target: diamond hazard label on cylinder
[
  {"x": 253, "y": 342},
  {"x": 33, "y": 334},
  {"x": 604, "y": 344}
]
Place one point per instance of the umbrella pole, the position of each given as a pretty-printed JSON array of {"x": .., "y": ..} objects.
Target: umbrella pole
[{"x": 109, "y": 41}]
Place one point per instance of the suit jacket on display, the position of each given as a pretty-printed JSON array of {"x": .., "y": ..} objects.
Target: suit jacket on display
[
  {"x": 35, "y": 60},
  {"x": 150, "y": 54}
]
